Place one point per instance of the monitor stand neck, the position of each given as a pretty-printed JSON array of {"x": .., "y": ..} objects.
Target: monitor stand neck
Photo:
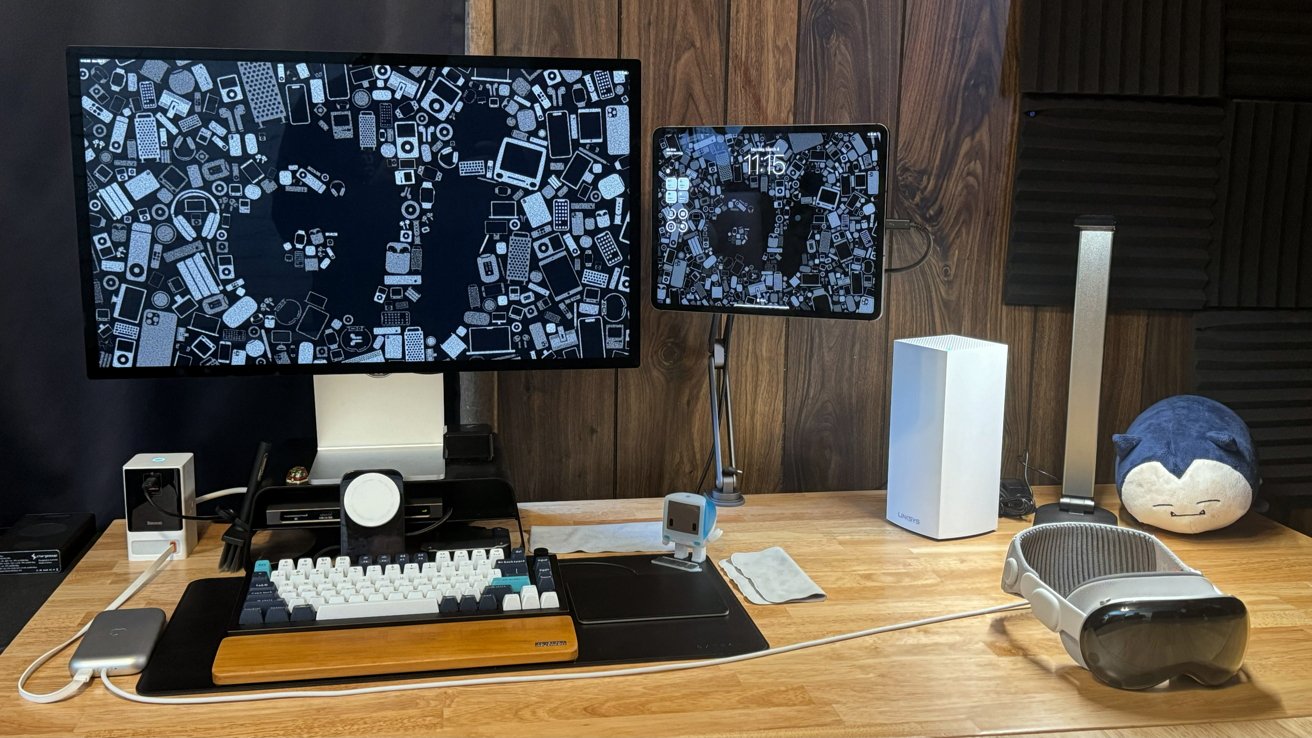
[
  {"x": 726, "y": 492},
  {"x": 369, "y": 421}
]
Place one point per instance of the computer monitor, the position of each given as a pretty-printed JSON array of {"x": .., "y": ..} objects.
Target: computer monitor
[
  {"x": 257, "y": 212},
  {"x": 769, "y": 220}
]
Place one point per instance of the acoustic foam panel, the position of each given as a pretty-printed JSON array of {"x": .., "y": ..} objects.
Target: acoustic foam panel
[
  {"x": 1122, "y": 47},
  {"x": 1262, "y": 256},
  {"x": 1259, "y": 363},
  {"x": 1268, "y": 49},
  {"x": 1153, "y": 165}
]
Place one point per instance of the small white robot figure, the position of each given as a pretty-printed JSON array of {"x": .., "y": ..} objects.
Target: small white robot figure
[{"x": 688, "y": 523}]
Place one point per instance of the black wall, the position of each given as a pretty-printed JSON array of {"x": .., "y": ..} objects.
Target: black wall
[{"x": 63, "y": 437}]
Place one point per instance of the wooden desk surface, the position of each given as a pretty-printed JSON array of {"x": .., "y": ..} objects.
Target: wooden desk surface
[{"x": 999, "y": 674}]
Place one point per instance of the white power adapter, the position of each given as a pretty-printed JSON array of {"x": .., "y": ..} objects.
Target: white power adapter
[{"x": 156, "y": 488}]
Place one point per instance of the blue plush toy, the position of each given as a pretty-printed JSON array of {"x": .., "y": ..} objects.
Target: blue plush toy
[{"x": 1186, "y": 465}]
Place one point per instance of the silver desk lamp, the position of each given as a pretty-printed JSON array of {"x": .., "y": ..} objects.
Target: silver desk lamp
[{"x": 1093, "y": 272}]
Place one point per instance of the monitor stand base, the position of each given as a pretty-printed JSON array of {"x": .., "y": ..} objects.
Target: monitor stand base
[{"x": 1079, "y": 512}]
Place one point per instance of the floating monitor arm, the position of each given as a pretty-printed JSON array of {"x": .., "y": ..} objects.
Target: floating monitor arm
[
  {"x": 725, "y": 493},
  {"x": 1093, "y": 272}
]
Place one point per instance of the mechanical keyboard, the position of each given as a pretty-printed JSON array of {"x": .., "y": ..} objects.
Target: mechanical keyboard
[{"x": 425, "y": 611}]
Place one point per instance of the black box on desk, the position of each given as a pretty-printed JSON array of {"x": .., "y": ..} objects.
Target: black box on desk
[{"x": 45, "y": 543}]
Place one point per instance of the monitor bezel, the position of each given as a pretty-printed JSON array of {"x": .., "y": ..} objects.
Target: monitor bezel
[
  {"x": 631, "y": 67},
  {"x": 881, "y": 200}
]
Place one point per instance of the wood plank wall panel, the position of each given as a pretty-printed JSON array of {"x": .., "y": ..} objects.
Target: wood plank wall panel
[
  {"x": 761, "y": 86},
  {"x": 1050, "y": 366},
  {"x": 812, "y": 395},
  {"x": 1122, "y": 382},
  {"x": 954, "y": 156},
  {"x": 1168, "y": 357},
  {"x": 663, "y": 407},
  {"x": 558, "y": 426},
  {"x": 836, "y": 396}
]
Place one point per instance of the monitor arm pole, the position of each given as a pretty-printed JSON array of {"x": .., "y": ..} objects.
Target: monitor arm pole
[{"x": 726, "y": 492}]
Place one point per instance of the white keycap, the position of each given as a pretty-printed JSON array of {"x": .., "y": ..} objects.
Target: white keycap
[
  {"x": 293, "y": 601},
  {"x": 336, "y": 600},
  {"x": 393, "y": 597},
  {"x": 414, "y": 595},
  {"x": 376, "y": 597},
  {"x": 323, "y": 562},
  {"x": 496, "y": 555},
  {"x": 429, "y": 567},
  {"x": 495, "y": 573},
  {"x": 478, "y": 555},
  {"x": 304, "y": 564},
  {"x": 342, "y": 562},
  {"x": 410, "y": 570},
  {"x": 370, "y": 609},
  {"x": 286, "y": 565},
  {"x": 528, "y": 596},
  {"x": 550, "y": 600},
  {"x": 278, "y": 577},
  {"x": 443, "y": 557},
  {"x": 510, "y": 602},
  {"x": 374, "y": 573},
  {"x": 392, "y": 571},
  {"x": 461, "y": 557},
  {"x": 355, "y": 573},
  {"x": 355, "y": 597},
  {"x": 316, "y": 602}
]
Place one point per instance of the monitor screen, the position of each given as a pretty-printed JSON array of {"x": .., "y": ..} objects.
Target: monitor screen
[
  {"x": 258, "y": 212},
  {"x": 769, "y": 219}
]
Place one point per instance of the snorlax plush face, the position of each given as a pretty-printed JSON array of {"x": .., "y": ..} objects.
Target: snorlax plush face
[{"x": 1186, "y": 465}]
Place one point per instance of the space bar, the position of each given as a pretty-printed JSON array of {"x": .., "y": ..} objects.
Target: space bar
[{"x": 385, "y": 609}]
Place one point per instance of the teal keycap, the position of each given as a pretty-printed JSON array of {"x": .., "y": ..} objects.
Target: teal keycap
[{"x": 515, "y": 583}]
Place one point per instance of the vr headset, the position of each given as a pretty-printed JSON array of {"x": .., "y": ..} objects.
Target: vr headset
[{"x": 1127, "y": 608}]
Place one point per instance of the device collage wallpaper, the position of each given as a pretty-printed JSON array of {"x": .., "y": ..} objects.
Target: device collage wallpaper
[
  {"x": 768, "y": 219},
  {"x": 298, "y": 212}
]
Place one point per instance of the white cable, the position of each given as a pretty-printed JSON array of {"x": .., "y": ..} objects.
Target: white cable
[
  {"x": 221, "y": 493},
  {"x": 84, "y": 675},
  {"x": 680, "y": 666}
]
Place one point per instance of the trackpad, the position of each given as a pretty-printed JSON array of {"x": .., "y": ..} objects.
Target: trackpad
[{"x": 639, "y": 591}]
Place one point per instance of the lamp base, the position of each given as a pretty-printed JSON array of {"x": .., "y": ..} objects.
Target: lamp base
[{"x": 1057, "y": 512}]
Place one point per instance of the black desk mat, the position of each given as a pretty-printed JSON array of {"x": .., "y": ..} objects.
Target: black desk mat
[{"x": 185, "y": 652}]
